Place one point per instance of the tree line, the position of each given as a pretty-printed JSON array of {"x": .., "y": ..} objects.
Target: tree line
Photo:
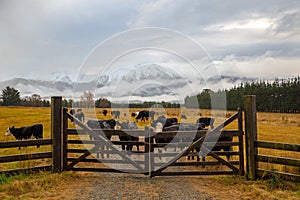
[
  {"x": 11, "y": 97},
  {"x": 276, "y": 96}
]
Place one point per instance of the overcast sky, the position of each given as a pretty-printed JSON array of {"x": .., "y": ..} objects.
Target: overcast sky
[{"x": 43, "y": 39}]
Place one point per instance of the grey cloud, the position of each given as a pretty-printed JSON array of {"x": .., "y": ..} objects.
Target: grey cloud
[
  {"x": 289, "y": 23},
  {"x": 41, "y": 37}
]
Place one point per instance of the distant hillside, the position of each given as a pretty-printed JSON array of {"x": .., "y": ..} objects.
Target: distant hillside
[
  {"x": 273, "y": 96},
  {"x": 141, "y": 83}
]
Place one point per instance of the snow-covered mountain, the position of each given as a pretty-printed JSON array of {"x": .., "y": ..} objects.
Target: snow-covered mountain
[
  {"x": 46, "y": 89},
  {"x": 143, "y": 83}
]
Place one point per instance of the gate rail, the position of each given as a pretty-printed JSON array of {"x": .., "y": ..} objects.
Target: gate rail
[{"x": 148, "y": 164}]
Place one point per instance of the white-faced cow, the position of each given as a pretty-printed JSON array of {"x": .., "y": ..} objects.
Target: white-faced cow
[{"x": 26, "y": 132}]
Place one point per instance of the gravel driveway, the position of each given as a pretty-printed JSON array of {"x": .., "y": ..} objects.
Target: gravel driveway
[{"x": 128, "y": 186}]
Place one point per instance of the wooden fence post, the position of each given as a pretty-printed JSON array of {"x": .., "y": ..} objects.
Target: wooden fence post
[
  {"x": 147, "y": 150},
  {"x": 65, "y": 139},
  {"x": 251, "y": 135},
  {"x": 241, "y": 141},
  {"x": 151, "y": 154},
  {"x": 56, "y": 126}
]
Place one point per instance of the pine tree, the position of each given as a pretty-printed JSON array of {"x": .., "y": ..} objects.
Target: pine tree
[{"x": 10, "y": 96}]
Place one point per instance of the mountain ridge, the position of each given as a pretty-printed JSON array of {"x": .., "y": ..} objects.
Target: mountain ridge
[{"x": 153, "y": 82}]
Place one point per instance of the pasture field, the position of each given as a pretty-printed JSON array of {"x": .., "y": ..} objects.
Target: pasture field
[{"x": 277, "y": 127}]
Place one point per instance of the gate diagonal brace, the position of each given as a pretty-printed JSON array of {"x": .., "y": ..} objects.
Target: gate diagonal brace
[
  {"x": 104, "y": 141},
  {"x": 82, "y": 157},
  {"x": 221, "y": 160},
  {"x": 199, "y": 142}
]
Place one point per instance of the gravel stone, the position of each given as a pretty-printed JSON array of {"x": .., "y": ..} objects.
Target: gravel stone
[{"x": 132, "y": 186}]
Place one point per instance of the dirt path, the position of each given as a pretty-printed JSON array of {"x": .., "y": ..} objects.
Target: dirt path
[
  {"x": 125, "y": 186},
  {"x": 94, "y": 186}
]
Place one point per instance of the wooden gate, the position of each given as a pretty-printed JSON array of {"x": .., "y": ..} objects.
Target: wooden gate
[
  {"x": 79, "y": 153},
  {"x": 179, "y": 164}
]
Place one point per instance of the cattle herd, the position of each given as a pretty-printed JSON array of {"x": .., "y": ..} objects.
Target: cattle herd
[{"x": 160, "y": 124}]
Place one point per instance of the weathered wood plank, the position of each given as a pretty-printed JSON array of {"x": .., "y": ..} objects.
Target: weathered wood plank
[
  {"x": 251, "y": 135},
  {"x": 193, "y": 173},
  {"x": 21, "y": 157},
  {"x": 95, "y": 160},
  {"x": 56, "y": 128},
  {"x": 100, "y": 142},
  {"x": 278, "y": 145},
  {"x": 26, "y": 170},
  {"x": 142, "y": 133},
  {"x": 220, "y": 153},
  {"x": 286, "y": 176},
  {"x": 196, "y": 134},
  {"x": 108, "y": 132},
  {"x": 241, "y": 142},
  {"x": 64, "y": 138},
  {"x": 88, "y": 169},
  {"x": 278, "y": 160},
  {"x": 25, "y": 143},
  {"x": 205, "y": 163}
]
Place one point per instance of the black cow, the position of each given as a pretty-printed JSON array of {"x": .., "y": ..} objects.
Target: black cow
[
  {"x": 183, "y": 127},
  {"x": 144, "y": 115},
  {"x": 26, "y": 132},
  {"x": 183, "y": 116},
  {"x": 133, "y": 114},
  {"x": 208, "y": 121},
  {"x": 166, "y": 122},
  {"x": 104, "y": 112},
  {"x": 132, "y": 126},
  {"x": 171, "y": 125},
  {"x": 101, "y": 124},
  {"x": 116, "y": 114},
  {"x": 80, "y": 115},
  {"x": 72, "y": 112}
]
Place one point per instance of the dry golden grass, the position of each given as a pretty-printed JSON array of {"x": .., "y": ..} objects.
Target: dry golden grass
[
  {"x": 23, "y": 116},
  {"x": 44, "y": 185},
  {"x": 276, "y": 127}
]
